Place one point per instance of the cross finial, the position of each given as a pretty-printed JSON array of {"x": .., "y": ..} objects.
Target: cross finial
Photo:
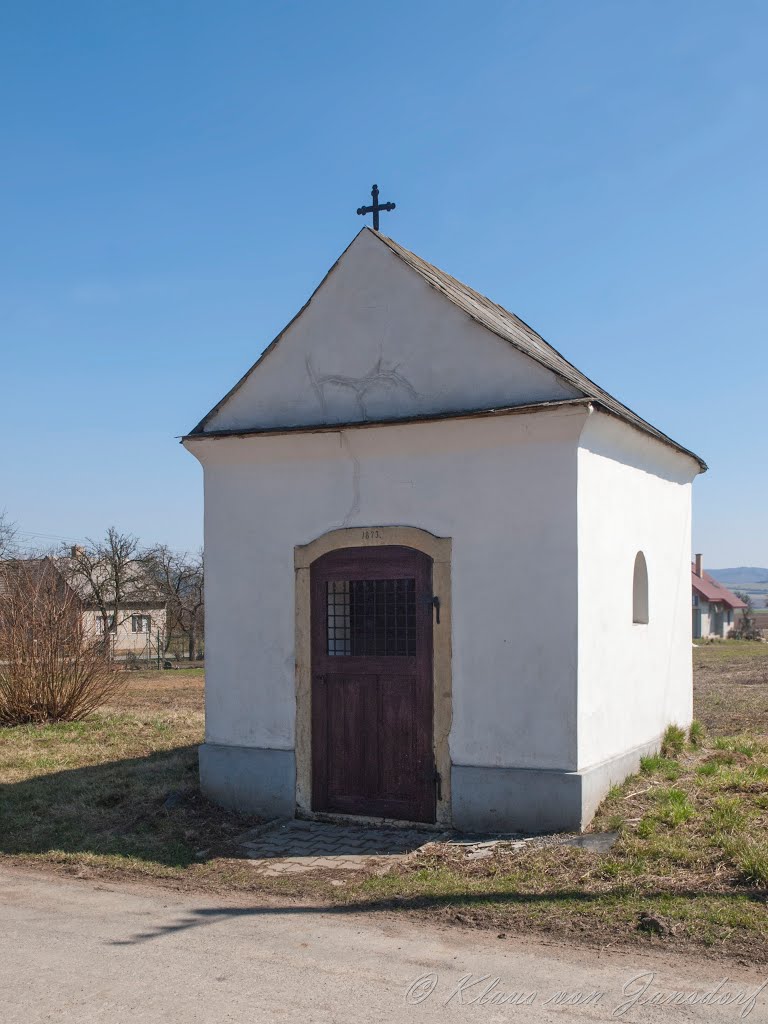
[{"x": 375, "y": 207}]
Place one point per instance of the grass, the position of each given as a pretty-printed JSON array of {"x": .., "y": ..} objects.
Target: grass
[
  {"x": 98, "y": 789},
  {"x": 691, "y": 844},
  {"x": 117, "y": 796},
  {"x": 658, "y": 763},
  {"x": 697, "y": 733},
  {"x": 751, "y": 857},
  {"x": 673, "y": 743}
]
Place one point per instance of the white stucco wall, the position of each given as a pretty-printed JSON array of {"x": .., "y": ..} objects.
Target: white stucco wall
[
  {"x": 634, "y": 494},
  {"x": 377, "y": 342},
  {"x": 504, "y": 490}
]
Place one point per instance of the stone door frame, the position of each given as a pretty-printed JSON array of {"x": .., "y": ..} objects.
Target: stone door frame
[{"x": 439, "y": 550}]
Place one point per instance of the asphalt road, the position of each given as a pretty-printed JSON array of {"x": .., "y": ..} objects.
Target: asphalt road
[{"x": 80, "y": 951}]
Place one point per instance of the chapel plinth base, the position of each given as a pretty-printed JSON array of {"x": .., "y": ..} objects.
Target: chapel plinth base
[
  {"x": 260, "y": 781},
  {"x": 535, "y": 799},
  {"x": 249, "y": 779}
]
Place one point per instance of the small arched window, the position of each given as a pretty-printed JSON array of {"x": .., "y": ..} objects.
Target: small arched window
[{"x": 640, "y": 589}]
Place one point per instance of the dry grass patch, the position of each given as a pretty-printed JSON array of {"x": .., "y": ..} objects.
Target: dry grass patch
[
  {"x": 731, "y": 686},
  {"x": 692, "y": 846},
  {"x": 691, "y": 850},
  {"x": 118, "y": 794},
  {"x": 118, "y": 789}
]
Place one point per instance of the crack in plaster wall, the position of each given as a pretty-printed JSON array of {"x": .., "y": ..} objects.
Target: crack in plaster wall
[{"x": 381, "y": 375}]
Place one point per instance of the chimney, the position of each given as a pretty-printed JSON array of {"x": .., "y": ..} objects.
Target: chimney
[
  {"x": 76, "y": 551},
  {"x": 699, "y": 568}
]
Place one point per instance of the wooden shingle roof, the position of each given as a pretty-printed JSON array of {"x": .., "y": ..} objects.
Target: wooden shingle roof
[{"x": 511, "y": 328}]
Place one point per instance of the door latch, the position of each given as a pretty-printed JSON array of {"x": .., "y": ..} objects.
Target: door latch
[
  {"x": 434, "y": 602},
  {"x": 432, "y": 776}
]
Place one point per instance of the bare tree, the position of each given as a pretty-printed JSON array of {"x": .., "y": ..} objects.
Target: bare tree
[
  {"x": 51, "y": 667},
  {"x": 7, "y": 536},
  {"x": 106, "y": 573},
  {"x": 179, "y": 576},
  {"x": 746, "y": 627}
]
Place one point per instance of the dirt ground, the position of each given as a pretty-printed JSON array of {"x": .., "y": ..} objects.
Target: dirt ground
[{"x": 730, "y": 690}]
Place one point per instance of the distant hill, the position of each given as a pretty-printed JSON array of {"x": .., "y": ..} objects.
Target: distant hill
[{"x": 741, "y": 576}]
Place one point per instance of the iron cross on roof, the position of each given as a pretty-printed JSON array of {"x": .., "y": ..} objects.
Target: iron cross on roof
[{"x": 374, "y": 209}]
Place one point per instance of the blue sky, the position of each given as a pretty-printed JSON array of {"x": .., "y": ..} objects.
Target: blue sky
[{"x": 178, "y": 176}]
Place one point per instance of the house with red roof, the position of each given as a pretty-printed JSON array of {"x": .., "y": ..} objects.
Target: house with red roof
[{"x": 714, "y": 606}]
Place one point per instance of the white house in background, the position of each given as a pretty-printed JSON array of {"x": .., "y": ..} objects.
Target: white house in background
[
  {"x": 134, "y": 623},
  {"x": 136, "y": 629},
  {"x": 714, "y": 606},
  {"x": 397, "y": 495}
]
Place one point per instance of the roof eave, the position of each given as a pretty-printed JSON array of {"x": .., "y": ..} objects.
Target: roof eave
[
  {"x": 461, "y": 414},
  {"x": 651, "y": 431},
  {"x": 510, "y": 410}
]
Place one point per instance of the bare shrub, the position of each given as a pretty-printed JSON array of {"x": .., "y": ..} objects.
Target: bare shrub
[{"x": 51, "y": 669}]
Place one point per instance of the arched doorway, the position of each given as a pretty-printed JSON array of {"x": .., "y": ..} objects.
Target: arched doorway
[
  {"x": 372, "y": 751},
  {"x": 364, "y": 541}
]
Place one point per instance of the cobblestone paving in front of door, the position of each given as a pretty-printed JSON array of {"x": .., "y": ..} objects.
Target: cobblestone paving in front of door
[
  {"x": 293, "y": 847},
  {"x": 288, "y": 847}
]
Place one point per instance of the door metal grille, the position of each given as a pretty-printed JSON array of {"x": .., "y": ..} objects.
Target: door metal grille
[{"x": 371, "y": 617}]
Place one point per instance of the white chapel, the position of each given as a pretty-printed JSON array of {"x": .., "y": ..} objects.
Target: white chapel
[{"x": 447, "y": 575}]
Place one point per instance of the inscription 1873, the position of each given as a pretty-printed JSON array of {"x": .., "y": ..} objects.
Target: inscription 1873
[{"x": 371, "y": 535}]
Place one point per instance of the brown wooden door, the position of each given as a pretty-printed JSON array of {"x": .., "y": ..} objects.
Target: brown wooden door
[{"x": 372, "y": 683}]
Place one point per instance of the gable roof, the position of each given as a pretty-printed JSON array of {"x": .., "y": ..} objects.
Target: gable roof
[
  {"x": 709, "y": 588},
  {"x": 494, "y": 318}
]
